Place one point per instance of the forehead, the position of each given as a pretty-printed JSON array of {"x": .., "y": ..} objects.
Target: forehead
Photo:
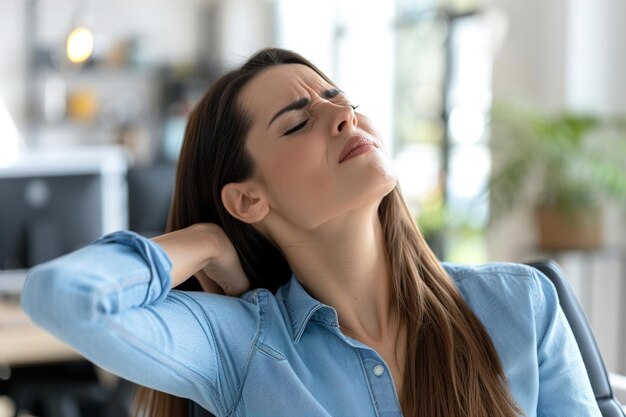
[{"x": 278, "y": 86}]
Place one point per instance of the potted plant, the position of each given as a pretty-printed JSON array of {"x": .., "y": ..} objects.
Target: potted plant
[{"x": 566, "y": 164}]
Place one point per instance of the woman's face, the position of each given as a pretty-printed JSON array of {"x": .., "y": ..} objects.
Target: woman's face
[{"x": 301, "y": 129}]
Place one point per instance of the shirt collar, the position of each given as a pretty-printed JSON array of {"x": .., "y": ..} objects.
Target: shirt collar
[{"x": 303, "y": 308}]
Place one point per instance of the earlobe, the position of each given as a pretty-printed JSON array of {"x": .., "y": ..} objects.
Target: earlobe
[{"x": 243, "y": 204}]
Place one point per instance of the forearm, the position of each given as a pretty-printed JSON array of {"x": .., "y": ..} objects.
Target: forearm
[
  {"x": 206, "y": 252},
  {"x": 189, "y": 249}
]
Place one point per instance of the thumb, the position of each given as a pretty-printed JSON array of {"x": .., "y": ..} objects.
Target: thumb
[{"x": 207, "y": 284}]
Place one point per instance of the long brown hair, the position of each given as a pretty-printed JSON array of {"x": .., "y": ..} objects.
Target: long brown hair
[{"x": 452, "y": 368}]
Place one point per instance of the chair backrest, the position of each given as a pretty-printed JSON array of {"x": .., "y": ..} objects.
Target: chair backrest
[
  {"x": 194, "y": 410},
  {"x": 609, "y": 406}
]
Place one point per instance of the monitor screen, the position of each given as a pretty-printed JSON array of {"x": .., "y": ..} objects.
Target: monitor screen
[
  {"x": 149, "y": 196},
  {"x": 45, "y": 217}
]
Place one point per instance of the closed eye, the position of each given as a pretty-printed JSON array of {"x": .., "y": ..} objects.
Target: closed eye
[{"x": 296, "y": 128}]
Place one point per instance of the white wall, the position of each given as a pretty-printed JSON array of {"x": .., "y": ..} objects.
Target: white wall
[
  {"x": 596, "y": 76},
  {"x": 12, "y": 59},
  {"x": 244, "y": 26}
]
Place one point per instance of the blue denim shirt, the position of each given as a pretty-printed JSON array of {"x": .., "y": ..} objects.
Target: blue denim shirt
[{"x": 283, "y": 354}]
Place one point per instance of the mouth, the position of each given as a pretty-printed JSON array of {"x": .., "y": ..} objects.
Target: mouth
[{"x": 355, "y": 146}]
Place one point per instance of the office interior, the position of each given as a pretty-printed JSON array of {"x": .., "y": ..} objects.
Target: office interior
[{"x": 485, "y": 107}]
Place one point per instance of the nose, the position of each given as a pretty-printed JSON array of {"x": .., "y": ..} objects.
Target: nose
[{"x": 343, "y": 117}]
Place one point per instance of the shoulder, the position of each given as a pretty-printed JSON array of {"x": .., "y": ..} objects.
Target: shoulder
[
  {"x": 260, "y": 297},
  {"x": 488, "y": 271},
  {"x": 494, "y": 274},
  {"x": 268, "y": 304},
  {"x": 508, "y": 285}
]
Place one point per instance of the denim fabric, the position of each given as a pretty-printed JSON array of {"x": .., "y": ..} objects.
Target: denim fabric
[{"x": 283, "y": 354}]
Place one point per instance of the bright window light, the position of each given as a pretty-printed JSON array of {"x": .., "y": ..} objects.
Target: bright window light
[
  {"x": 467, "y": 124},
  {"x": 9, "y": 138}
]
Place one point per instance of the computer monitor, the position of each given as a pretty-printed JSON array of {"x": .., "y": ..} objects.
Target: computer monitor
[
  {"x": 52, "y": 203},
  {"x": 42, "y": 218}
]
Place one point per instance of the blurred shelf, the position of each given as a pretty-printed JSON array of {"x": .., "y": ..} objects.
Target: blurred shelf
[{"x": 93, "y": 159}]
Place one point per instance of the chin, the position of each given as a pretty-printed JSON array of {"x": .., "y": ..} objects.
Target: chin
[
  {"x": 388, "y": 186},
  {"x": 375, "y": 186},
  {"x": 383, "y": 176}
]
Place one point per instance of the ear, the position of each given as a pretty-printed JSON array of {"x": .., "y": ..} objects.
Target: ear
[{"x": 243, "y": 203}]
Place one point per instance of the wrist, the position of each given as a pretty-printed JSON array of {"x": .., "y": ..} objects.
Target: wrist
[
  {"x": 207, "y": 237},
  {"x": 190, "y": 250}
]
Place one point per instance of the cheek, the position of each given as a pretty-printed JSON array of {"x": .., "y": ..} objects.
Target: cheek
[
  {"x": 299, "y": 165},
  {"x": 366, "y": 124},
  {"x": 299, "y": 177}
]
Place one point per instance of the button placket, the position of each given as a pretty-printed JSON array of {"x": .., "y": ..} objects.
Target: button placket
[{"x": 381, "y": 384}]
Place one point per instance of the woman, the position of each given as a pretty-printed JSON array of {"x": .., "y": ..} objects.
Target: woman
[{"x": 285, "y": 197}]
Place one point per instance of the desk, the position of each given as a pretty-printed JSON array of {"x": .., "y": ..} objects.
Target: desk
[
  {"x": 22, "y": 342},
  {"x": 24, "y": 346}
]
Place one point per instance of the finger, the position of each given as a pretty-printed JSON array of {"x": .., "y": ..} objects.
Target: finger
[
  {"x": 207, "y": 284},
  {"x": 235, "y": 288},
  {"x": 234, "y": 282}
]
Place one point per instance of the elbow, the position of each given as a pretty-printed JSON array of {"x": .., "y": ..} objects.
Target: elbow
[
  {"x": 35, "y": 292},
  {"x": 55, "y": 297}
]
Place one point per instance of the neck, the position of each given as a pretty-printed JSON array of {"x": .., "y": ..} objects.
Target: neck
[{"x": 343, "y": 265}]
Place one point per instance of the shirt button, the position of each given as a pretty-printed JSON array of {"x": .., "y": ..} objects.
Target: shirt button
[{"x": 378, "y": 370}]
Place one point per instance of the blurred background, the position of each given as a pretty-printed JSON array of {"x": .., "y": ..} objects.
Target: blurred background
[{"x": 504, "y": 119}]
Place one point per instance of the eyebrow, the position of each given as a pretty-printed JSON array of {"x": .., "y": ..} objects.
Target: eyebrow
[
  {"x": 296, "y": 105},
  {"x": 302, "y": 103}
]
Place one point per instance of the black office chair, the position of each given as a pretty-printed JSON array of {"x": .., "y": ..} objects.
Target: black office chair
[
  {"x": 194, "y": 410},
  {"x": 609, "y": 406}
]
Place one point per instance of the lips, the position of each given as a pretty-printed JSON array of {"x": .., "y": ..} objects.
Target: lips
[{"x": 354, "y": 143}]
